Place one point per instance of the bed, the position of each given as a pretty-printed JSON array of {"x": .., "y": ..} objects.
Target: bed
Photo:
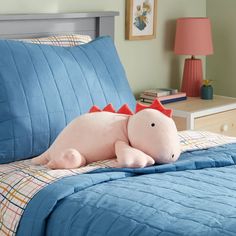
[{"x": 193, "y": 196}]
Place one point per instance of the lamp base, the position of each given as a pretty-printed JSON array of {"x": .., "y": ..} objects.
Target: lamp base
[{"x": 192, "y": 77}]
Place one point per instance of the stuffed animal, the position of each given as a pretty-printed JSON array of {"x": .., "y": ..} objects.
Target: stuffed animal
[{"x": 137, "y": 140}]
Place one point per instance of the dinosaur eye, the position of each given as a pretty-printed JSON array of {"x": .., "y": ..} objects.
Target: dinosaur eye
[{"x": 153, "y": 124}]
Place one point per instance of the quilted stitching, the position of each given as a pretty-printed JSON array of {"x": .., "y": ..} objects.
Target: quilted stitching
[
  {"x": 83, "y": 71},
  {"x": 55, "y": 82},
  {"x": 174, "y": 203},
  {"x": 73, "y": 89},
  {"x": 110, "y": 75},
  {"x": 43, "y": 97},
  {"x": 94, "y": 68},
  {"x": 25, "y": 96}
]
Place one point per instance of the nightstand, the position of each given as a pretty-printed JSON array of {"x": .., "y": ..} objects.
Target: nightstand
[{"x": 217, "y": 115}]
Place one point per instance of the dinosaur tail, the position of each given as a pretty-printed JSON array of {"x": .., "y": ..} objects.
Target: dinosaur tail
[{"x": 41, "y": 160}]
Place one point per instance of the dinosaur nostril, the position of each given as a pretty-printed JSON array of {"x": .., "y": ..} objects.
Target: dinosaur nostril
[{"x": 173, "y": 155}]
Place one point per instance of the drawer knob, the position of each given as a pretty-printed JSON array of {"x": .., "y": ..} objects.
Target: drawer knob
[{"x": 224, "y": 128}]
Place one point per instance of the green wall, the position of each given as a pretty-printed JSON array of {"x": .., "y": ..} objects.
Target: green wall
[
  {"x": 221, "y": 67},
  {"x": 148, "y": 63}
]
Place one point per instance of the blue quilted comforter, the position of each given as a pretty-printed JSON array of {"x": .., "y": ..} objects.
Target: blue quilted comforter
[{"x": 194, "y": 196}]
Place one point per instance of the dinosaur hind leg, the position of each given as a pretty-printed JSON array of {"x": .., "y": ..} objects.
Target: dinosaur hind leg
[{"x": 69, "y": 159}]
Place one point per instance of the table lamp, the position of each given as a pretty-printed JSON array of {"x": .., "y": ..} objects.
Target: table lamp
[{"x": 193, "y": 37}]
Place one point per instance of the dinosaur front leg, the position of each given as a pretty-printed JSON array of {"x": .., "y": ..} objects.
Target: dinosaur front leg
[
  {"x": 69, "y": 159},
  {"x": 130, "y": 157}
]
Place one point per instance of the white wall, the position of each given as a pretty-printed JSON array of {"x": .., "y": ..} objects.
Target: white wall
[{"x": 221, "y": 66}]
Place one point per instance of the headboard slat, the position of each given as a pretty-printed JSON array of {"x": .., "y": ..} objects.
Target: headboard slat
[{"x": 40, "y": 25}]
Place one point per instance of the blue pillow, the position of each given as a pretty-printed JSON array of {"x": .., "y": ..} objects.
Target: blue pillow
[{"x": 42, "y": 88}]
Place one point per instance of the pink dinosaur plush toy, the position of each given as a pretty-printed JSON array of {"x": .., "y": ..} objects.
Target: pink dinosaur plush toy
[{"x": 137, "y": 140}]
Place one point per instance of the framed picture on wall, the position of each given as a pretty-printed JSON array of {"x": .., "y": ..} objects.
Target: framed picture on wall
[{"x": 140, "y": 19}]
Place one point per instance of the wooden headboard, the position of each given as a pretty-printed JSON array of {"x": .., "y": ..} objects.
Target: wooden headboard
[{"x": 19, "y": 26}]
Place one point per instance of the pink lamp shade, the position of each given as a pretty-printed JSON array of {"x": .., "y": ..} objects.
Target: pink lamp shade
[{"x": 193, "y": 37}]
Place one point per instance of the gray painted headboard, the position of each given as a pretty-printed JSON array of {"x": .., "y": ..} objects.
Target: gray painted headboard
[{"x": 21, "y": 26}]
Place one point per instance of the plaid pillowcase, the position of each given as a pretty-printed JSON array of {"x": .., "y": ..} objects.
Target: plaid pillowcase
[
  {"x": 196, "y": 140},
  {"x": 61, "y": 40}
]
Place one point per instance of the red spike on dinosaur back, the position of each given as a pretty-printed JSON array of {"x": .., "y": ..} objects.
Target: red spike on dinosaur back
[
  {"x": 109, "y": 108},
  {"x": 94, "y": 109},
  {"x": 168, "y": 112},
  {"x": 125, "y": 110},
  {"x": 140, "y": 107},
  {"x": 158, "y": 106},
  {"x": 155, "y": 105}
]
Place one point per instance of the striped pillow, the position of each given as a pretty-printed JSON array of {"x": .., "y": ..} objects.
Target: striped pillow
[{"x": 61, "y": 40}]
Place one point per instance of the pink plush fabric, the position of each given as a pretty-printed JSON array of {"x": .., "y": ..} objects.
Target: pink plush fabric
[{"x": 137, "y": 140}]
